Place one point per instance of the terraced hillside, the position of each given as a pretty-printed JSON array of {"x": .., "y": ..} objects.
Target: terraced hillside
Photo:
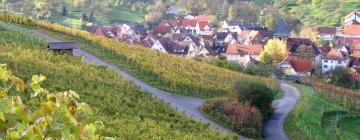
[
  {"x": 126, "y": 112},
  {"x": 319, "y": 118}
]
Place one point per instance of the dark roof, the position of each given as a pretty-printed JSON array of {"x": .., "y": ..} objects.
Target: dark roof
[
  {"x": 234, "y": 22},
  {"x": 161, "y": 29},
  {"x": 327, "y": 30},
  {"x": 173, "y": 48},
  {"x": 282, "y": 30},
  {"x": 252, "y": 26},
  {"x": 182, "y": 37},
  {"x": 220, "y": 35},
  {"x": 62, "y": 45}
]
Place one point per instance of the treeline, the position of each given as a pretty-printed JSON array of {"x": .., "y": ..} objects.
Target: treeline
[
  {"x": 126, "y": 112},
  {"x": 164, "y": 71}
]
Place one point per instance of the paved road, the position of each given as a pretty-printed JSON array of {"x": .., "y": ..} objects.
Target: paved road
[
  {"x": 189, "y": 105},
  {"x": 274, "y": 127}
]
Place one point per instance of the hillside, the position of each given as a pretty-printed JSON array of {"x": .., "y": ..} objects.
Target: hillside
[
  {"x": 164, "y": 71},
  {"x": 126, "y": 112},
  {"x": 318, "y": 13}
]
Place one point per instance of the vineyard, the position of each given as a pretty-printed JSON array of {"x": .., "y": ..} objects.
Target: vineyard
[
  {"x": 126, "y": 112},
  {"x": 160, "y": 70},
  {"x": 319, "y": 117}
]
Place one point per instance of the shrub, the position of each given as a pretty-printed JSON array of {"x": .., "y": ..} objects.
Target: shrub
[
  {"x": 242, "y": 117},
  {"x": 256, "y": 93}
]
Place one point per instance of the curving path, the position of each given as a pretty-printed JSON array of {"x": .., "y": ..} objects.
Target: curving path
[
  {"x": 274, "y": 126},
  {"x": 189, "y": 105}
]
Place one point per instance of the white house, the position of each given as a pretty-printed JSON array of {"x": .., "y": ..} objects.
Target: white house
[
  {"x": 352, "y": 17},
  {"x": 203, "y": 28},
  {"x": 241, "y": 52},
  {"x": 338, "y": 57},
  {"x": 158, "y": 46},
  {"x": 232, "y": 25}
]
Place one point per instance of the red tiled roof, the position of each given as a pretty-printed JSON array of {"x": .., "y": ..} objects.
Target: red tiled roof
[
  {"x": 203, "y": 24},
  {"x": 171, "y": 22},
  {"x": 327, "y": 30},
  {"x": 325, "y": 49},
  {"x": 191, "y": 23},
  {"x": 335, "y": 54},
  {"x": 301, "y": 65},
  {"x": 161, "y": 29},
  {"x": 203, "y": 18},
  {"x": 350, "y": 42},
  {"x": 244, "y": 49},
  {"x": 352, "y": 29}
]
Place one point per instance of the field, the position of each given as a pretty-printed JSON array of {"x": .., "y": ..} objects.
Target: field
[
  {"x": 126, "y": 112},
  {"x": 163, "y": 71},
  {"x": 318, "y": 118},
  {"x": 107, "y": 16}
]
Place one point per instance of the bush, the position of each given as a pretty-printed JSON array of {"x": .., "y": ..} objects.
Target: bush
[
  {"x": 242, "y": 117},
  {"x": 256, "y": 93}
]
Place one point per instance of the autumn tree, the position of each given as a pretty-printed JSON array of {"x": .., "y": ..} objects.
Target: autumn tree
[
  {"x": 310, "y": 33},
  {"x": 275, "y": 51}
]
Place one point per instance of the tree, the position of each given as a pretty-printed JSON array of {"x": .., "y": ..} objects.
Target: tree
[
  {"x": 342, "y": 77},
  {"x": 275, "y": 51},
  {"x": 65, "y": 11},
  {"x": 232, "y": 11},
  {"x": 256, "y": 93},
  {"x": 310, "y": 33}
]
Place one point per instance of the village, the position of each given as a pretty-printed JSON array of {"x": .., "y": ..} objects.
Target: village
[{"x": 242, "y": 42}]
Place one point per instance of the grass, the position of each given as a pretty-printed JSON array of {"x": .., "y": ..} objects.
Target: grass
[
  {"x": 317, "y": 118},
  {"x": 107, "y": 16},
  {"x": 317, "y": 16}
]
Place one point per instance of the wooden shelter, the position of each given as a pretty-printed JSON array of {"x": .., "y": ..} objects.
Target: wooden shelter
[{"x": 62, "y": 47}]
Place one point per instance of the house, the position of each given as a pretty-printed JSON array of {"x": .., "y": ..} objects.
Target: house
[
  {"x": 121, "y": 32},
  {"x": 189, "y": 25},
  {"x": 232, "y": 25},
  {"x": 296, "y": 68},
  {"x": 243, "y": 53},
  {"x": 159, "y": 46},
  {"x": 352, "y": 18},
  {"x": 172, "y": 47},
  {"x": 161, "y": 30},
  {"x": 62, "y": 47},
  {"x": 337, "y": 57},
  {"x": 237, "y": 26},
  {"x": 147, "y": 42},
  {"x": 327, "y": 33},
  {"x": 203, "y": 28},
  {"x": 282, "y": 32},
  {"x": 203, "y": 18}
]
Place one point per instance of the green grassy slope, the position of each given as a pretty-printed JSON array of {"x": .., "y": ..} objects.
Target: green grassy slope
[
  {"x": 317, "y": 118},
  {"x": 315, "y": 15},
  {"x": 126, "y": 112}
]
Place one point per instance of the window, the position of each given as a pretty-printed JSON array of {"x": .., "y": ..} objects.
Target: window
[
  {"x": 331, "y": 61},
  {"x": 325, "y": 66},
  {"x": 339, "y": 62},
  {"x": 325, "y": 61}
]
